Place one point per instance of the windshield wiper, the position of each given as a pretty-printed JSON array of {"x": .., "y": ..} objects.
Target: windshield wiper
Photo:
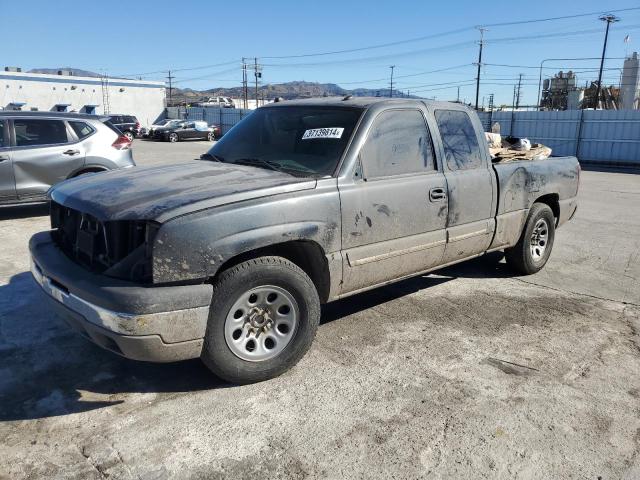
[{"x": 259, "y": 162}]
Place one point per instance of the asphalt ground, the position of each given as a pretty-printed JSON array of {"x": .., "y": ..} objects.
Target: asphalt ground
[{"x": 471, "y": 372}]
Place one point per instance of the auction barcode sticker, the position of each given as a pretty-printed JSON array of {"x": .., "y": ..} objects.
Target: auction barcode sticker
[{"x": 333, "y": 132}]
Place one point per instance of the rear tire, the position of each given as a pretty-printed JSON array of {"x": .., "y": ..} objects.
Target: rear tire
[
  {"x": 263, "y": 318},
  {"x": 211, "y": 137},
  {"x": 130, "y": 136},
  {"x": 533, "y": 249}
]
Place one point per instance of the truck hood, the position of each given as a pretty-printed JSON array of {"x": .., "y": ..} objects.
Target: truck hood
[{"x": 163, "y": 192}]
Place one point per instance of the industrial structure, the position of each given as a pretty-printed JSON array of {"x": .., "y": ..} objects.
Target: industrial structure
[
  {"x": 555, "y": 91},
  {"x": 561, "y": 92},
  {"x": 630, "y": 85},
  {"x": 65, "y": 92}
]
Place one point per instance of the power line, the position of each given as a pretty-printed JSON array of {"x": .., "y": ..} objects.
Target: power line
[
  {"x": 441, "y": 34},
  {"x": 443, "y": 48}
]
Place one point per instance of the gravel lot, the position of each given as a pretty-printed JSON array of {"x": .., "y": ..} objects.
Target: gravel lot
[{"x": 468, "y": 373}]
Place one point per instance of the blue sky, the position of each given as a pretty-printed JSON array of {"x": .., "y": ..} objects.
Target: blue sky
[{"x": 145, "y": 38}]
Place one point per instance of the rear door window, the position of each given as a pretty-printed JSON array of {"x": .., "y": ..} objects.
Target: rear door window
[
  {"x": 83, "y": 130},
  {"x": 459, "y": 138},
  {"x": 398, "y": 143},
  {"x": 31, "y": 132}
]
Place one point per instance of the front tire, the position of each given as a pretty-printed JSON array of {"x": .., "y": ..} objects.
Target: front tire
[
  {"x": 533, "y": 249},
  {"x": 173, "y": 137},
  {"x": 263, "y": 318},
  {"x": 211, "y": 137}
]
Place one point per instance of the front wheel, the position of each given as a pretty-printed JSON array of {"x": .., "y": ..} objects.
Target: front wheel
[
  {"x": 533, "y": 249},
  {"x": 211, "y": 137},
  {"x": 263, "y": 318},
  {"x": 173, "y": 137}
]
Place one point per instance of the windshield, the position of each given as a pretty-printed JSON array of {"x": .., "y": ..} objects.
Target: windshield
[
  {"x": 169, "y": 123},
  {"x": 302, "y": 141}
]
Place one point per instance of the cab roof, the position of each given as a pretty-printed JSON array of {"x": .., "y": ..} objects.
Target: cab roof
[{"x": 362, "y": 102}]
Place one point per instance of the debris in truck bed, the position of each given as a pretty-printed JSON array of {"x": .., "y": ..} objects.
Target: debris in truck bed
[{"x": 507, "y": 149}]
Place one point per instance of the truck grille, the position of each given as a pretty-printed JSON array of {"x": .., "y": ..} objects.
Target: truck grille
[{"x": 121, "y": 249}]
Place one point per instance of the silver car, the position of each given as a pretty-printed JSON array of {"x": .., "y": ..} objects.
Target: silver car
[{"x": 40, "y": 149}]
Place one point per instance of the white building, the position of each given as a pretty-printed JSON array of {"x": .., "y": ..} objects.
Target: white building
[{"x": 69, "y": 93}]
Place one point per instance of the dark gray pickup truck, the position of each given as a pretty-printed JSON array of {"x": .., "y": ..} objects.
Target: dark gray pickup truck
[{"x": 230, "y": 257}]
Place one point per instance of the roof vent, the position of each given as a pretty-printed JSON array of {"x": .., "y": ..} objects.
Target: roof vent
[
  {"x": 347, "y": 97},
  {"x": 12, "y": 69}
]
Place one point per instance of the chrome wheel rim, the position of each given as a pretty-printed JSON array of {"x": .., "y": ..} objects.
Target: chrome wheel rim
[
  {"x": 261, "y": 323},
  {"x": 173, "y": 137},
  {"x": 210, "y": 137},
  {"x": 539, "y": 239}
]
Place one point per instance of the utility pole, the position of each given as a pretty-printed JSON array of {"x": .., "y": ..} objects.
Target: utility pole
[
  {"x": 609, "y": 19},
  {"x": 458, "y": 97},
  {"x": 391, "y": 85},
  {"x": 519, "y": 91},
  {"x": 513, "y": 103},
  {"x": 257, "y": 75},
  {"x": 170, "y": 79},
  {"x": 244, "y": 83},
  {"x": 482, "y": 30}
]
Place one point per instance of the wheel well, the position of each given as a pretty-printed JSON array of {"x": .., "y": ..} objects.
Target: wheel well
[
  {"x": 88, "y": 170},
  {"x": 307, "y": 255},
  {"x": 553, "y": 201}
]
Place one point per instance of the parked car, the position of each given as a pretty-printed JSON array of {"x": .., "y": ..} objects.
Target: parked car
[
  {"x": 165, "y": 122},
  {"x": 186, "y": 130},
  {"x": 128, "y": 125},
  {"x": 40, "y": 149},
  {"x": 220, "y": 102},
  {"x": 302, "y": 203}
]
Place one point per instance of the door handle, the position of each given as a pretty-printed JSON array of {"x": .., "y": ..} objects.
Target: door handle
[
  {"x": 437, "y": 194},
  {"x": 71, "y": 152}
]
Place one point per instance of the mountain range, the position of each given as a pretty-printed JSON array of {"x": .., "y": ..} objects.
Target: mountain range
[{"x": 288, "y": 90}]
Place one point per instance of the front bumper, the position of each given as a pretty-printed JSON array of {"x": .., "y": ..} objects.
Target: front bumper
[{"x": 157, "y": 324}]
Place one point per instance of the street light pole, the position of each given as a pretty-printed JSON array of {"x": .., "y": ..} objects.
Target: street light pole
[{"x": 609, "y": 19}]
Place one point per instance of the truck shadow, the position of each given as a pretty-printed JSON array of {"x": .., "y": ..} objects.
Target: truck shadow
[
  {"x": 24, "y": 211},
  {"x": 48, "y": 370}
]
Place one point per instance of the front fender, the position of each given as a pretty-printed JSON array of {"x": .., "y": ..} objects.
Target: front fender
[{"x": 194, "y": 247}]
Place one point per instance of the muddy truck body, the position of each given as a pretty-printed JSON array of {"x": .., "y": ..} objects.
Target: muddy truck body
[{"x": 229, "y": 258}]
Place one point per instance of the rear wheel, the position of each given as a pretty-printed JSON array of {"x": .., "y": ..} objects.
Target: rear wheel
[
  {"x": 173, "y": 137},
  {"x": 130, "y": 136},
  {"x": 211, "y": 137},
  {"x": 263, "y": 318},
  {"x": 533, "y": 249}
]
